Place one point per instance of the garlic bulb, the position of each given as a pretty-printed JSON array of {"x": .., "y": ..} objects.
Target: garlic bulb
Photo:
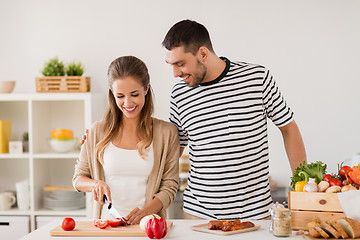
[{"x": 311, "y": 186}]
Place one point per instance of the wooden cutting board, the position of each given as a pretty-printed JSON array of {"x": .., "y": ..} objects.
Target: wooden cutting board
[
  {"x": 308, "y": 237},
  {"x": 204, "y": 228},
  {"x": 87, "y": 228}
]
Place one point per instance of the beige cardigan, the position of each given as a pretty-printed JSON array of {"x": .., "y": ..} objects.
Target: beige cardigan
[{"x": 164, "y": 177}]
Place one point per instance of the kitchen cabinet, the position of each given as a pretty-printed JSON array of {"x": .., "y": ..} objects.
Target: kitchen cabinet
[
  {"x": 38, "y": 114},
  {"x": 14, "y": 227}
]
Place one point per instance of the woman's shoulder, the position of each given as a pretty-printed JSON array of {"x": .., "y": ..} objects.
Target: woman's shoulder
[{"x": 96, "y": 127}]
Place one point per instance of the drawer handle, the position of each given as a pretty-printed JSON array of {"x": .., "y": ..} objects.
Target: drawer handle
[
  {"x": 322, "y": 201},
  {"x": 4, "y": 223}
]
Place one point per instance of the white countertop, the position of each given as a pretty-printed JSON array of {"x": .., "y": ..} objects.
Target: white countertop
[{"x": 180, "y": 230}]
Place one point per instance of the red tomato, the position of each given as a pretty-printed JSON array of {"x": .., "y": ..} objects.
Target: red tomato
[
  {"x": 68, "y": 224},
  {"x": 344, "y": 170},
  {"x": 335, "y": 182},
  {"x": 115, "y": 223},
  {"x": 102, "y": 224},
  {"x": 327, "y": 178}
]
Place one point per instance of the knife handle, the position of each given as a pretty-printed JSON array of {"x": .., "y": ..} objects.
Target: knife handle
[{"x": 106, "y": 201}]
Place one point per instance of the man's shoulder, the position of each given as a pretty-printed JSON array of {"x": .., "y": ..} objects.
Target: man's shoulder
[
  {"x": 245, "y": 65},
  {"x": 179, "y": 88},
  {"x": 179, "y": 84}
]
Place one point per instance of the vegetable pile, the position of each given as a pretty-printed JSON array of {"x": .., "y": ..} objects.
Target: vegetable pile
[
  {"x": 312, "y": 177},
  {"x": 315, "y": 170}
]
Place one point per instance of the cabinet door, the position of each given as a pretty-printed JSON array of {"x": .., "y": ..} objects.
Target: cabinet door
[{"x": 13, "y": 227}]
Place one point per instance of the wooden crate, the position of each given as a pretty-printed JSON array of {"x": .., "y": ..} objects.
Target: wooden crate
[
  {"x": 305, "y": 206},
  {"x": 63, "y": 84}
]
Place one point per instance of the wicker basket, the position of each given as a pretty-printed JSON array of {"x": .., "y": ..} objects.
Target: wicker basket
[{"x": 63, "y": 84}]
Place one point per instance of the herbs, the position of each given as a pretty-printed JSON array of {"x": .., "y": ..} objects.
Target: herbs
[
  {"x": 315, "y": 170},
  {"x": 54, "y": 67},
  {"x": 74, "y": 69}
]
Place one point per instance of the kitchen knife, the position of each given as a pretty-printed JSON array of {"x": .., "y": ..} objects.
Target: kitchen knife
[{"x": 112, "y": 210}]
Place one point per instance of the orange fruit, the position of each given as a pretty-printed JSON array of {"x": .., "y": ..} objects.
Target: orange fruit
[{"x": 62, "y": 133}]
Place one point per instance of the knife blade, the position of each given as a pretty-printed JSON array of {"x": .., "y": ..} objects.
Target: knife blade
[{"x": 112, "y": 210}]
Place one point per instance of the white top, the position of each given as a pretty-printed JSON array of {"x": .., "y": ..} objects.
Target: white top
[{"x": 126, "y": 173}]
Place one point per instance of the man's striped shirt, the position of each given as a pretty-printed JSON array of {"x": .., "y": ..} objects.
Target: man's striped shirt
[{"x": 224, "y": 122}]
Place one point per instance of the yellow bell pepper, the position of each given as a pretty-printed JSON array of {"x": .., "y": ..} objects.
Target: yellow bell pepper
[{"x": 299, "y": 186}]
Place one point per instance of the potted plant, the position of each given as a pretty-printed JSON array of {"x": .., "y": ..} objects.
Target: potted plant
[
  {"x": 57, "y": 78},
  {"x": 74, "y": 69},
  {"x": 54, "y": 67}
]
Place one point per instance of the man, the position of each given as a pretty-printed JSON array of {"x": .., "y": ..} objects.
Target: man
[{"x": 220, "y": 109}]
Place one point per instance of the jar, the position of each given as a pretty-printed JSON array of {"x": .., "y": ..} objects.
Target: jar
[
  {"x": 281, "y": 222},
  {"x": 183, "y": 181},
  {"x": 184, "y": 164}
]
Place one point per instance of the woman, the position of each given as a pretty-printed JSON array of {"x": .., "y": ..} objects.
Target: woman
[{"x": 129, "y": 156}]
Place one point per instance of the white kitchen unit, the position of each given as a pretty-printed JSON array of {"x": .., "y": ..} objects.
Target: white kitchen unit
[
  {"x": 38, "y": 114},
  {"x": 14, "y": 227}
]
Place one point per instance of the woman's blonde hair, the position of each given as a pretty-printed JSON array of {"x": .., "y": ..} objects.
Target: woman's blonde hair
[{"x": 127, "y": 66}]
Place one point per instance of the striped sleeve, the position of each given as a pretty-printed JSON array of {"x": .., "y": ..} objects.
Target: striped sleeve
[
  {"x": 175, "y": 118},
  {"x": 275, "y": 105}
]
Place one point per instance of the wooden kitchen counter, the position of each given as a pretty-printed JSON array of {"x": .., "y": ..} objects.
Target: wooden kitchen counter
[{"x": 180, "y": 230}]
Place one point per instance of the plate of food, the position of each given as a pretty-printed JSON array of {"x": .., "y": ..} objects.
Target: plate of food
[{"x": 226, "y": 227}]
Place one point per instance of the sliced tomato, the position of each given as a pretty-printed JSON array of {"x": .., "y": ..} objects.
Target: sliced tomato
[
  {"x": 123, "y": 221},
  {"x": 115, "y": 223},
  {"x": 101, "y": 223},
  {"x": 96, "y": 222}
]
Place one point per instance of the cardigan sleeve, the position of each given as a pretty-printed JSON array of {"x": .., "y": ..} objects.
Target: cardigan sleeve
[
  {"x": 83, "y": 165},
  {"x": 170, "y": 178}
]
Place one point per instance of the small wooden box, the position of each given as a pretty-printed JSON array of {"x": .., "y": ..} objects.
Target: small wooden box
[
  {"x": 63, "y": 84},
  {"x": 305, "y": 206}
]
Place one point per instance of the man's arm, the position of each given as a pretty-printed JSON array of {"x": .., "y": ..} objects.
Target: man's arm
[{"x": 294, "y": 144}]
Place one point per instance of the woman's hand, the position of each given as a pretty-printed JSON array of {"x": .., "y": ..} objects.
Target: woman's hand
[
  {"x": 100, "y": 189},
  {"x": 135, "y": 216}
]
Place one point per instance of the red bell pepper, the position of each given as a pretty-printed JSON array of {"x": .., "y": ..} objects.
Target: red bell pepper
[
  {"x": 156, "y": 228},
  {"x": 355, "y": 174}
]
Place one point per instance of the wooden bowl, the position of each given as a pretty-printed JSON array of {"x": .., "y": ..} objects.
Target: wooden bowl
[{"x": 7, "y": 86}]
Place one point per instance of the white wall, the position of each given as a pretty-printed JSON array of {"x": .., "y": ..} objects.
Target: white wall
[{"x": 312, "y": 48}]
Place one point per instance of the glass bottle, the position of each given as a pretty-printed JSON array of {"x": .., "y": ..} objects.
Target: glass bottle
[{"x": 281, "y": 222}]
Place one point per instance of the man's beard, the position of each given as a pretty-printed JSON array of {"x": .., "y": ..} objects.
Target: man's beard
[{"x": 199, "y": 76}]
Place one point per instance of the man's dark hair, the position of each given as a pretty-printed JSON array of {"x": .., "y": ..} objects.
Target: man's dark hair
[{"x": 189, "y": 34}]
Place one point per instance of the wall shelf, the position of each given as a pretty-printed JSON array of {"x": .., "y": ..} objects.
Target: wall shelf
[{"x": 38, "y": 114}]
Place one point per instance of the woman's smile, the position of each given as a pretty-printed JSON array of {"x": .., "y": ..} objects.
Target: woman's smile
[{"x": 130, "y": 110}]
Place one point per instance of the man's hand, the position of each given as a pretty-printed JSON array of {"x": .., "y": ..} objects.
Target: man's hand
[{"x": 84, "y": 137}]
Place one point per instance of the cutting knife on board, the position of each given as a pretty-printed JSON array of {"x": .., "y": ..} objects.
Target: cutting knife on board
[{"x": 112, "y": 210}]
